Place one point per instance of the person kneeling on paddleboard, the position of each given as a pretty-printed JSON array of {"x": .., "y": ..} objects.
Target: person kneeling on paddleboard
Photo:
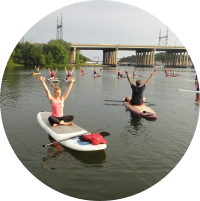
[
  {"x": 137, "y": 91},
  {"x": 134, "y": 72},
  {"x": 119, "y": 71},
  {"x": 53, "y": 74},
  {"x": 37, "y": 69},
  {"x": 197, "y": 85},
  {"x": 95, "y": 70},
  {"x": 82, "y": 70},
  {"x": 57, "y": 104},
  {"x": 69, "y": 74}
]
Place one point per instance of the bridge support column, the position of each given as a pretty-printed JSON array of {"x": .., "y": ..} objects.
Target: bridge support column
[
  {"x": 176, "y": 59},
  {"x": 73, "y": 56},
  {"x": 115, "y": 58},
  {"x": 144, "y": 58},
  {"x": 147, "y": 58},
  {"x": 109, "y": 57}
]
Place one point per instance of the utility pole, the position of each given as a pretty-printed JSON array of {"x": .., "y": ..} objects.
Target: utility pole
[
  {"x": 160, "y": 37},
  {"x": 59, "y": 29}
]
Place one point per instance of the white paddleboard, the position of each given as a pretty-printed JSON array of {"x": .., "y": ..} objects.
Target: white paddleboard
[
  {"x": 68, "y": 81},
  {"x": 188, "y": 90},
  {"x": 53, "y": 81},
  {"x": 61, "y": 132},
  {"x": 96, "y": 75}
]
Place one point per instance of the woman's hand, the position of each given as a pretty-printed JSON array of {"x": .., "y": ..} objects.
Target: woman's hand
[
  {"x": 73, "y": 79},
  {"x": 42, "y": 79},
  {"x": 126, "y": 71}
]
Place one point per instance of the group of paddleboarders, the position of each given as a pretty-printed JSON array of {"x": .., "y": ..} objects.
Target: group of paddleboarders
[{"x": 167, "y": 72}]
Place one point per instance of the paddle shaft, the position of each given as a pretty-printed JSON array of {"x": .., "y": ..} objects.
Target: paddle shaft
[{"x": 44, "y": 145}]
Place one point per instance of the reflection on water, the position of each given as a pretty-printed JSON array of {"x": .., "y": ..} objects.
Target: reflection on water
[{"x": 71, "y": 158}]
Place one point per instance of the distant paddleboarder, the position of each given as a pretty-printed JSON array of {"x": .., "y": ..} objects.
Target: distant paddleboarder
[
  {"x": 37, "y": 69},
  {"x": 134, "y": 72},
  {"x": 95, "y": 70},
  {"x": 53, "y": 74},
  {"x": 119, "y": 72},
  {"x": 166, "y": 72},
  {"x": 82, "y": 70},
  {"x": 196, "y": 77},
  {"x": 174, "y": 71},
  {"x": 197, "y": 85},
  {"x": 137, "y": 91},
  {"x": 69, "y": 74}
]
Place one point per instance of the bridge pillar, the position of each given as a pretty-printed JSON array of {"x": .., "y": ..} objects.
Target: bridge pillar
[
  {"x": 109, "y": 57},
  {"x": 148, "y": 58},
  {"x": 144, "y": 58},
  {"x": 176, "y": 59},
  {"x": 73, "y": 55}
]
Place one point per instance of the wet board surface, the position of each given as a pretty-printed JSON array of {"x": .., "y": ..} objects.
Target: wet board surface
[
  {"x": 54, "y": 81},
  {"x": 61, "y": 132},
  {"x": 149, "y": 113},
  {"x": 188, "y": 90}
]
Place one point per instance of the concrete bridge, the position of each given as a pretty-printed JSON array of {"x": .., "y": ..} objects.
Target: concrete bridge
[{"x": 176, "y": 56}]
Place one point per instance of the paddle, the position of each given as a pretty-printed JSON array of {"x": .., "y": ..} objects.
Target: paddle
[
  {"x": 44, "y": 145},
  {"x": 119, "y": 101}
]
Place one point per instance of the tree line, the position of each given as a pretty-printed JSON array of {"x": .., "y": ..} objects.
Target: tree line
[
  {"x": 54, "y": 52},
  {"x": 158, "y": 57}
]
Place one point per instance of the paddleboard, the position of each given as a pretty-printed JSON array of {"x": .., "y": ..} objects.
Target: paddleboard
[
  {"x": 137, "y": 75},
  {"x": 142, "y": 110},
  {"x": 36, "y": 73},
  {"x": 68, "y": 81},
  {"x": 54, "y": 81},
  {"x": 82, "y": 73},
  {"x": 61, "y": 132},
  {"x": 123, "y": 76},
  {"x": 188, "y": 90},
  {"x": 96, "y": 75},
  {"x": 172, "y": 75}
]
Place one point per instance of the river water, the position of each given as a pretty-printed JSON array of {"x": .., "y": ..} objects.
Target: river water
[{"x": 139, "y": 152}]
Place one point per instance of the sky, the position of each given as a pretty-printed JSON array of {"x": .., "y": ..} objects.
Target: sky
[{"x": 102, "y": 22}]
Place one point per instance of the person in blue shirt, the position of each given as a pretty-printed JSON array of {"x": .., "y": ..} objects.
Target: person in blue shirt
[{"x": 137, "y": 90}]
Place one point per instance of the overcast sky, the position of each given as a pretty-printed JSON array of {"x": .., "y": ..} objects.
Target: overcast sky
[{"x": 102, "y": 22}]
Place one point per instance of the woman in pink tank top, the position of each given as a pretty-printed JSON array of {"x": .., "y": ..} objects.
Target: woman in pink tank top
[{"x": 57, "y": 105}]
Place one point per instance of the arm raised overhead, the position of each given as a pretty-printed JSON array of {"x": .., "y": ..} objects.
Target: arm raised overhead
[
  {"x": 49, "y": 96},
  {"x": 65, "y": 95}
]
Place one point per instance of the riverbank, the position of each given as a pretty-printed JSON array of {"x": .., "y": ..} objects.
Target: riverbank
[{"x": 63, "y": 65}]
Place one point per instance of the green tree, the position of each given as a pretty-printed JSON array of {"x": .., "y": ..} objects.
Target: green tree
[{"x": 49, "y": 58}]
